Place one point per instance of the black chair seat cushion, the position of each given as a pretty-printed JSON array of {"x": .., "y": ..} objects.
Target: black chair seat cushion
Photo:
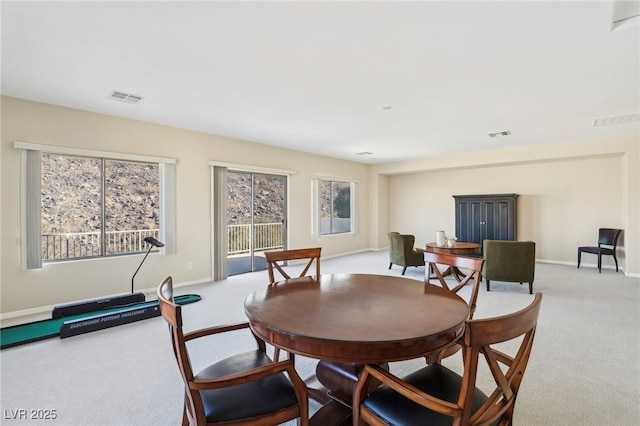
[
  {"x": 434, "y": 379},
  {"x": 596, "y": 250},
  {"x": 248, "y": 399}
]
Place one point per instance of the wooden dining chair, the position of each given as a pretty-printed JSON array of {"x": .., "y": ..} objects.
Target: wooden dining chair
[
  {"x": 473, "y": 269},
  {"x": 243, "y": 389},
  {"x": 436, "y": 395},
  {"x": 274, "y": 257},
  {"x": 274, "y": 260},
  {"x": 473, "y": 266},
  {"x": 336, "y": 379}
]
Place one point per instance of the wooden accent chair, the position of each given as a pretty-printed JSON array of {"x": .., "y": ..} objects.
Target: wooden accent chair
[
  {"x": 473, "y": 265},
  {"x": 243, "y": 389},
  {"x": 273, "y": 257},
  {"x": 435, "y": 395},
  {"x": 606, "y": 237},
  {"x": 402, "y": 253},
  {"x": 511, "y": 261}
]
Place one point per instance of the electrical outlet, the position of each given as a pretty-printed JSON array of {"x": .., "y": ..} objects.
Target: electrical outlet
[{"x": 189, "y": 265}]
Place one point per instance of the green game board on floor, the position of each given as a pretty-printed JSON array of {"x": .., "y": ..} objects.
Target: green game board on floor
[{"x": 83, "y": 323}]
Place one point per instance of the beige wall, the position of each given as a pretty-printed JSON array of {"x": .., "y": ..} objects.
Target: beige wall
[
  {"x": 70, "y": 281},
  {"x": 567, "y": 191}
]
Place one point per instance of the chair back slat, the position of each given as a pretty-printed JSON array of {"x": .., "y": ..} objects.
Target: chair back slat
[
  {"x": 273, "y": 257},
  {"x": 471, "y": 264}
]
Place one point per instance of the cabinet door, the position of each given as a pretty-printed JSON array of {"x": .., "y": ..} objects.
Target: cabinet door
[
  {"x": 487, "y": 221},
  {"x": 477, "y": 228},
  {"x": 468, "y": 220},
  {"x": 462, "y": 213},
  {"x": 504, "y": 220}
]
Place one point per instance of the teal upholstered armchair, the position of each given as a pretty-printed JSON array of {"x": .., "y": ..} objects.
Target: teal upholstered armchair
[
  {"x": 512, "y": 261},
  {"x": 402, "y": 253}
]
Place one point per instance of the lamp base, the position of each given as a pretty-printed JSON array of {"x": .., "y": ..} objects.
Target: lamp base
[{"x": 96, "y": 305}]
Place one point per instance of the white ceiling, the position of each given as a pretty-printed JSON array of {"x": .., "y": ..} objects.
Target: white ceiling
[{"x": 316, "y": 76}]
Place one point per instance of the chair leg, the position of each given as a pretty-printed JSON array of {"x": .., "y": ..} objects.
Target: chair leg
[
  {"x": 390, "y": 264},
  {"x": 615, "y": 259},
  {"x": 531, "y": 287},
  {"x": 579, "y": 257},
  {"x": 185, "y": 416},
  {"x": 404, "y": 270},
  {"x": 487, "y": 285},
  {"x": 599, "y": 263}
]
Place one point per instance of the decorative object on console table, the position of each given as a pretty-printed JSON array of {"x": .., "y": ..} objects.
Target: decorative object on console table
[
  {"x": 440, "y": 238},
  {"x": 486, "y": 217}
]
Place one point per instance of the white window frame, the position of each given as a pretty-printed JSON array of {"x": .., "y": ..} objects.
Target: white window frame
[
  {"x": 30, "y": 204},
  {"x": 316, "y": 221}
]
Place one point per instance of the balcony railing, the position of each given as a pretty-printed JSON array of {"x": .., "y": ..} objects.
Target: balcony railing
[
  {"x": 75, "y": 245},
  {"x": 267, "y": 236}
]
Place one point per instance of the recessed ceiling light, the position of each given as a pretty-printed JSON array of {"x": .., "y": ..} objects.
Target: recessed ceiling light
[
  {"x": 617, "y": 119},
  {"x": 364, "y": 153},
  {"x": 125, "y": 97},
  {"x": 499, "y": 134}
]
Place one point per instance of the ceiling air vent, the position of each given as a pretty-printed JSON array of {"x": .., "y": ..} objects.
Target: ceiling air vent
[
  {"x": 616, "y": 119},
  {"x": 498, "y": 134},
  {"x": 125, "y": 97}
]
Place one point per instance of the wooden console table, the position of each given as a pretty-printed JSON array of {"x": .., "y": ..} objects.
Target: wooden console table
[{"x": 461, "y": 248}]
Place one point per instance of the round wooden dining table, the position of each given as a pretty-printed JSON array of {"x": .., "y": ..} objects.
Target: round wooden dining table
[
  {"x": 358, "y": 318},
  {"x": 355, "y": 318}
]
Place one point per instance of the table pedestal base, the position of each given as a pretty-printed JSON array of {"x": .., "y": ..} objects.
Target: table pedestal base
[
  {"x": 457, "y": 274},
  {"x": 317, "y": 391}
]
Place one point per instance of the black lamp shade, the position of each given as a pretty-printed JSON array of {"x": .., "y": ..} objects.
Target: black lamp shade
[{"x": 153, "y": 242}]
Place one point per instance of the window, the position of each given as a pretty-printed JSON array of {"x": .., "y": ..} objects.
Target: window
[
  {"x": 96, "y": 206},
  {"x": 79, "y": 204},
  {"x": 335, "y": 206}
]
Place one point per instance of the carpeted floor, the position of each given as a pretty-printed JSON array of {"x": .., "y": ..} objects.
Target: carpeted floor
[{"x": 584, "y": 369}]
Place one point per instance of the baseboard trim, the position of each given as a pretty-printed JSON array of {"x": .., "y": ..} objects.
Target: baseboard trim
[
  {"x": 587, "y": 265},
  {"x": 346, "y": 254}
]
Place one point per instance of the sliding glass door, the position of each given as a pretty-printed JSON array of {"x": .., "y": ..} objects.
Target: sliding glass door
[{"x": 256, "y": 219}]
